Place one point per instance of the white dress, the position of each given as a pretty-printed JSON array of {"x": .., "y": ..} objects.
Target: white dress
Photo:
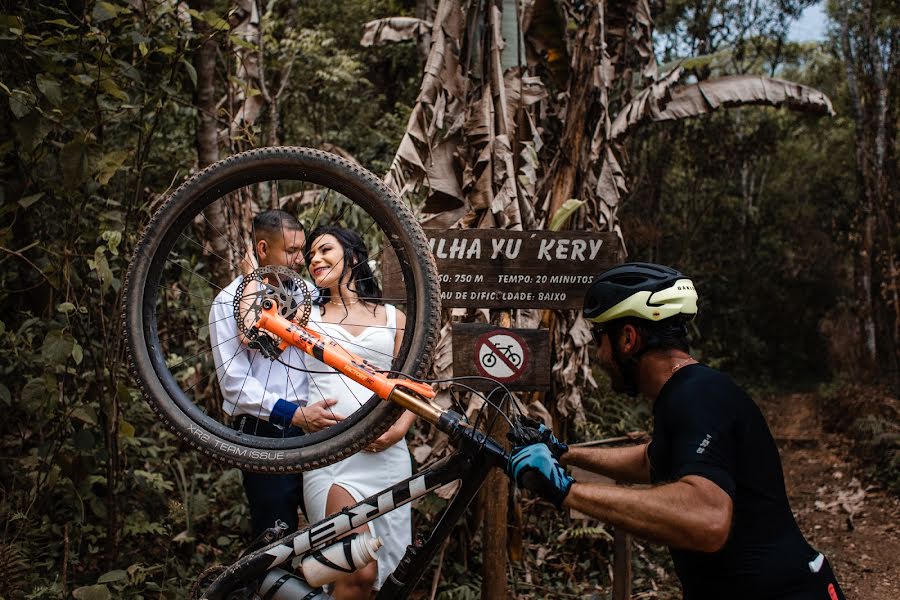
[{"x": 365, "y": 473}]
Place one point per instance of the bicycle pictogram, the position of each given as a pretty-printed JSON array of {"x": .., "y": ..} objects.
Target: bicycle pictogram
[
  {"x": 501, "y": 355},
  {"x": 489, "y": 359}
]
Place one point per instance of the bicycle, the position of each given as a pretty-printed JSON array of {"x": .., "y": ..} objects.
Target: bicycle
[{"x": 166, "y": 346}]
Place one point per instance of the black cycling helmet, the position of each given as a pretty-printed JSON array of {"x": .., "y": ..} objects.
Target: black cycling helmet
[{"x": 642, "y": 290}]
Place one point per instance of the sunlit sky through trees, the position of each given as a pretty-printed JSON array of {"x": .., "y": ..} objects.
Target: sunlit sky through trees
[{"x": 811, "y": 24}]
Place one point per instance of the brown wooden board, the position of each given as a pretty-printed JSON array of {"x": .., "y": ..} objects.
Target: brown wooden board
[
  {"x": 497, "y": 268},
  {"x": 519, "y": 358}
]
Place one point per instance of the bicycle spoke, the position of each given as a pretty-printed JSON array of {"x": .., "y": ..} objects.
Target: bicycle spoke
[
  {"x": 204, "y": 298},
  {"x": 199, "y": 245},
  {"x": 313, "y": 381},
  {"x": 176, "y": 263},
  {"x": 221, "y": 235},
  {"x": 265, "y": 387},
  {"x": 216, "y": 370},
  {"x": 190, "y": 310},
  {"x": 206, "y": 351}
]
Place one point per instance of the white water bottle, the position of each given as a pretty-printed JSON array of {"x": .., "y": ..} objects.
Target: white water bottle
[
  {"x": 344, "y": 556},
  {"x": 281, "y": 585}
]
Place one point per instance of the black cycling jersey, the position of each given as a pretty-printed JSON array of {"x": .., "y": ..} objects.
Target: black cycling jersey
[{"x": 704, "y": 424}]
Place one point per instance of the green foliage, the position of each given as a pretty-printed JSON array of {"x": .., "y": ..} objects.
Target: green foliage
[
  {"x": 561, "y": 558},
  {"x": 596, "y": 532},
  {"x": 754, "y": 205},
  {"x": 97, "y": 120},
  {"x": 725, "y": 36},
  {"x": 610, "y": 414},
  {"x": 341, "y": 93},
  {"x": 881, "y": 437},
  {"x": 88, "y": 498}
]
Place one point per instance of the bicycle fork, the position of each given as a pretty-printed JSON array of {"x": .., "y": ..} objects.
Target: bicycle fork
[{"x": 411, "y": 395}]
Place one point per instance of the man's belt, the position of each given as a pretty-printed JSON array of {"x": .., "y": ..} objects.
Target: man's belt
[{"x": 261, "y": 428}]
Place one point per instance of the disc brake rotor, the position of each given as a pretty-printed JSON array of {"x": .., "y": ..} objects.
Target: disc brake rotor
[{"x": 281, "y": 284}]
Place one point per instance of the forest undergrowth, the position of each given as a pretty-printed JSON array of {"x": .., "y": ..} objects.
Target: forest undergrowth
[{"x": 98, "y": 121}]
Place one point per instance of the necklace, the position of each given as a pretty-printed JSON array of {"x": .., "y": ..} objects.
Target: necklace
[
  {"x": 684, "y": 362},
  {"x": 343, "y": 303}
]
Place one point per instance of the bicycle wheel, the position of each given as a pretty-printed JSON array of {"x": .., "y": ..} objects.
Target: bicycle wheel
[{"x": 180, "y": 273}]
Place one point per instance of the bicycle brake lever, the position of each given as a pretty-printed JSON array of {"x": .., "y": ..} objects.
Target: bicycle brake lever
[{"x": 524, "y": 432}]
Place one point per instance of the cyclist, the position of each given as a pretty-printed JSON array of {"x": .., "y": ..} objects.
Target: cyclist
[
  {"x": 717, "y": 497},
  {"x": 264, "y": 397}
]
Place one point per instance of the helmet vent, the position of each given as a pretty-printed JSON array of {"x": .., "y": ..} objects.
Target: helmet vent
[{"x": 630, "y": 281}]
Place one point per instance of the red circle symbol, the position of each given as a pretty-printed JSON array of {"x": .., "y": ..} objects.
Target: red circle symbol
[{"x": 501, "y": 355}]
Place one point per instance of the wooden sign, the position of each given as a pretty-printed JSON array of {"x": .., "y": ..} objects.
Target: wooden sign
[
  {"x": 497, "y": 268},
  {"x": 518, "y": 358}
]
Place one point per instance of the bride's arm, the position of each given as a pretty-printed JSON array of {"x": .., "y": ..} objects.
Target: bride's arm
[
  {"x": 398, "y": 335},
  {"x": 393, "y": 435}
]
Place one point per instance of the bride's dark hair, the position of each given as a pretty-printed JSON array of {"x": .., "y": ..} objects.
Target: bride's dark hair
[{"x": 356, "y": 263}]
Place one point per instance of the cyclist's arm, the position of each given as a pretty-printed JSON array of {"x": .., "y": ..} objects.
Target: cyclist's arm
[
  {"x": 692, "y": 513},
  {"x": 628, "y": 465}
]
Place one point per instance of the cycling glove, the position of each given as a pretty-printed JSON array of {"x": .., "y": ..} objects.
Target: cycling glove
[{"x": 535, "y": 468}]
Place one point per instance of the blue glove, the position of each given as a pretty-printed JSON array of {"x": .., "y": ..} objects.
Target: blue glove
[
  {"x": 534, "y": 468},
  {"x": 557, "y": 448},
  {"x": 528, "y": 431}
]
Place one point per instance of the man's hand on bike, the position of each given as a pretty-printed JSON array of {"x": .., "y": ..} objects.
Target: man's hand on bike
[
  {"x": 316, "y": 417},
  {"x": 535, "y": 468},
  {"x": 528, "y": 431}
]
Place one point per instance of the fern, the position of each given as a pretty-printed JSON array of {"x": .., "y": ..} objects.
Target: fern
[{"x": 13, "y": 571}]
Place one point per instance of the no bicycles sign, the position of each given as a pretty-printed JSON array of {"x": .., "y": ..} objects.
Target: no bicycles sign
[
  {"x": 502, "y": 355},
  {"x": 518, "y": 358}
]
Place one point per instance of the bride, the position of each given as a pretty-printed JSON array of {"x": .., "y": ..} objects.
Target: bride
[{"x": 349, "y": 309}]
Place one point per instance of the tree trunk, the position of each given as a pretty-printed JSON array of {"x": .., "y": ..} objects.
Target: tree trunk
[
  {"x": 249, "y": 96},
  {"x": 425, "y": 10},
  {"x": 113, "y": 471},
  {"x": 873, "y": 109},
  {"x": 205, "y": 65},
  {"x": 225, "y": 223},
  {"x": 565, "y": 169}
]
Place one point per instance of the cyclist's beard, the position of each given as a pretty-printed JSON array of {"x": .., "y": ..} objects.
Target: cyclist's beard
[{"x": 624, "y": 375}]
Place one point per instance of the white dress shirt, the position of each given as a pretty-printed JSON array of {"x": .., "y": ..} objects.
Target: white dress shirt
[{"x": 252, "y": 384}]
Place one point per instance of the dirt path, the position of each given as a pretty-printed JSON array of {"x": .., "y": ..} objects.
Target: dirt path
[{"x": 856, "y": 526}]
